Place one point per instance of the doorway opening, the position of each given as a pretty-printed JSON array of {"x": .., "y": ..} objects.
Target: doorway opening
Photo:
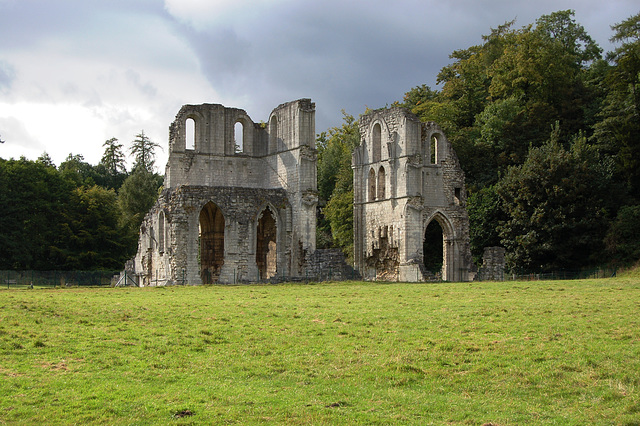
[
  {"x": 266, "y": 249},
  {"x": 211, "y": 243}
]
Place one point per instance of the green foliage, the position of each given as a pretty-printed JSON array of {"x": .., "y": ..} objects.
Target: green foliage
[
  {"x": 339, "y": 214},
  {"x": 34, "y": 197},
  {"x": 556, "y": 203},
  {"x": 143, "y": 150},
  {"x": 77, "y": 171},
  {"x": 485, "y": 214},
  {"x": 335, "y": 184},
  {"x": 338, "y": 353},
  {"x": 136, "y": 196},
  {"x": 498, "y": 101},
  {"x": 95, "y": 241},
  {"x": 623, "y": 242},
  {"x": 62, "y": 219},
  {"x": 619, "y": 128},
  {"x": 112, "y": 165},
  {"x": 502, "y": 96}
]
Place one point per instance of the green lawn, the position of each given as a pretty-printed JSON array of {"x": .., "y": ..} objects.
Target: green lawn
[{"x": 507, "y": 353}]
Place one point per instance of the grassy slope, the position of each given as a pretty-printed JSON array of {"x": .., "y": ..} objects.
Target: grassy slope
[{"x": 465, "y": 353}]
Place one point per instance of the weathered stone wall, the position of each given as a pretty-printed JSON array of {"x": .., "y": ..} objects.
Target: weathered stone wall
[
  {"x": 329, "y": 264},
  {"x": 275, "y": 172},
  {"x": 493, "y": 264},
  {"x": 421, "y": 181}
]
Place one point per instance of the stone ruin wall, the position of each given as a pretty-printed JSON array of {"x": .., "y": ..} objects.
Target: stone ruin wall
[
  {"x": 257, "y": 206},
  {"x": 389, "y": 224}
]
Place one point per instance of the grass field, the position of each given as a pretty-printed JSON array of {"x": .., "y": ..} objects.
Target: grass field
[{"x": 554, "y": 352}]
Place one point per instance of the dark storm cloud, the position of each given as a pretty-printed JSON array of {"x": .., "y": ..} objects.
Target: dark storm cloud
[
  {"x": 130, "y": 64},
  {"x": 344, "y": 55}
]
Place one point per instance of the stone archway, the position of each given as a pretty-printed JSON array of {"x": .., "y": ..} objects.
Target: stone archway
[
  {"x": 266, "y": 247},
  {"x": 211, "y": 243},
  {"x": 433, "y": 248}
]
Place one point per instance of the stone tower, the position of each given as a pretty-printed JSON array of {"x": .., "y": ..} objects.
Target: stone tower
[
  {"x": 407, "y": 184},
  {"x": 239, "y": 198}
]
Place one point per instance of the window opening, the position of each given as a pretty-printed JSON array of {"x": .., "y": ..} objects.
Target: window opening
[
  {"x": 377, "y": 142},
  {"x": 238, "y": 137},
  {"x": 273, "y": 135},
  {"x": 190, "y": 134},
  {"x": 372, "y": 185},
  {"x": 161, "y": 232},
  {"x": 434, "y": 150},
  {"x": 381, "y": 184}
]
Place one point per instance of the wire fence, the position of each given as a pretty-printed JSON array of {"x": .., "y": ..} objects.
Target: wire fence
[
  {"x": 575, "y": 274},
  {"x": 61, "y": 279},
  {"x": 53, "y": 279}
]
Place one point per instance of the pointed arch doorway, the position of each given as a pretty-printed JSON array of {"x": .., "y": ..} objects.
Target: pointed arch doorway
[
  {"x": 211, "y": 243},
  {"x": 266, "y": 247},
  {"x": 433, "y": 249}
]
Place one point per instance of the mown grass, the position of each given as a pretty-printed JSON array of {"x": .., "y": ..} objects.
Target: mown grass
[{"x": 562, "y": 352}]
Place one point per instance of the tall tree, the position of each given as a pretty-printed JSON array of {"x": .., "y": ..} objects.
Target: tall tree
[
  {"x": 34, "y": 197},
  {"x": 136, "y": 196},
  {"x": 335, "y": 183},
  {"x": 112, "y": 168},
  {"x": 113, "y": 157},
  {"x": 618, "y": 132},
  {"x": 94, "y": 240},
  {"x": 558, "y": 204},
  {"x": 144, "y": 151}
]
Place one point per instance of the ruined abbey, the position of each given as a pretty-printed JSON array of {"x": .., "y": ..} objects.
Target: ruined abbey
[
  {"x": 406, "y": 179},
  {"x": 240, "y": 198}
]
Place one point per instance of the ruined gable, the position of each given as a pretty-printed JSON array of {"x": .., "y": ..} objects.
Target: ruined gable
[{"x": 408, "y": 181}]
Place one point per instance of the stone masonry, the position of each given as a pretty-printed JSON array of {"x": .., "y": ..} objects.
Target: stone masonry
[
  {"x": 239, "y": 198},
  {"x": 406, "y": 176}
]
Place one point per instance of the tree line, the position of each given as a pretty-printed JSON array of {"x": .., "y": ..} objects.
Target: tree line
[
  {"x": 547, "y": 130},
  {"x": 76, "y": 216}
]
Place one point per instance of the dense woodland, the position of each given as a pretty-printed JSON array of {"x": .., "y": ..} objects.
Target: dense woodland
[
  {"x": 76, "y": 216},
  {"x": 547, "y": 130},
  {"x": 545, "y": 124}
]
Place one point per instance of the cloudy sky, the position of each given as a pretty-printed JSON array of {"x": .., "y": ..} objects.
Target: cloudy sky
[{"x": 74, "y": 73}]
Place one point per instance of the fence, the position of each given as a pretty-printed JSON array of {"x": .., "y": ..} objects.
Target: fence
[
  {"x": 52, "y": 279},
  {"x": 563, "y": 275}
]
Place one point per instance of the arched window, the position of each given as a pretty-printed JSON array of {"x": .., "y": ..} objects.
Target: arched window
[
  {"x": 381, "y": 184},
  {"x": 238, "y": 137},
  {"x": 190, "y": 134},
  {"x": 376, "y": 143},
  {"x": 273, "y": 135},
  {"x": 211, "y": 243},
  {"x": 372, "y": 185},
  {"x": 161, "y": 232},
  {"x": 435, "y": 149}
]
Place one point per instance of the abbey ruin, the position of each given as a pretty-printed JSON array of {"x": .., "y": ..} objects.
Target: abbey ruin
[
  {"x": 406, "y": 179},
  {"x": 240, "y": 198}
]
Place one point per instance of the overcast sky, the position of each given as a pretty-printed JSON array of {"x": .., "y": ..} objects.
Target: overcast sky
[{"x": 74, "y": 73}]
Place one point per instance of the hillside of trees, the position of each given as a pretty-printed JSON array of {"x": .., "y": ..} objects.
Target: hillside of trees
[
  {"x": 547, "y": 130},
  {"x": 75, "y": 216},
  {"x": 545, "y": 124}
]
